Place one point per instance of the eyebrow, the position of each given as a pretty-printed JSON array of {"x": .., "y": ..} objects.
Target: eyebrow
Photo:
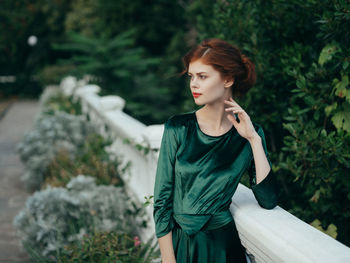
[{"x": 197, "y": 73}]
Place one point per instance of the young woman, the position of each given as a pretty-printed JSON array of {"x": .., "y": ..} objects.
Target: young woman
[{"x": 202, "y": 157}]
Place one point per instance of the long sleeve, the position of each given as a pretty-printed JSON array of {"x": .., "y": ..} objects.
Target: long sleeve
[
  {"x": 266, "y": 192},
  {"x": 164, "y": 182}
]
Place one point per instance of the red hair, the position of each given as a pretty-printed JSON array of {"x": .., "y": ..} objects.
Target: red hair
[{"x": 227, "y": 59}]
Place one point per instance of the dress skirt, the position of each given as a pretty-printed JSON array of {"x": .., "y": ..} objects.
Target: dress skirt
[{"x": 219, "y": 245}]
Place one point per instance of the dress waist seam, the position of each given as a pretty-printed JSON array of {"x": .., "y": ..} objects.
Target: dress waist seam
[{"x": 192, "y": 223}]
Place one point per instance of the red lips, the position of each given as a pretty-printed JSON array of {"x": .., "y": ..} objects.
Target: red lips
[{"x": 196, "y": 95}]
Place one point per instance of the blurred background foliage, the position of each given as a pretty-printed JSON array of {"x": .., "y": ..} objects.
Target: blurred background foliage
[{"x": 134, "y": 48}]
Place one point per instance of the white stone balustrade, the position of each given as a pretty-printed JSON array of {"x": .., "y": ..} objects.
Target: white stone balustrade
[{"x": 271, "y": 236}]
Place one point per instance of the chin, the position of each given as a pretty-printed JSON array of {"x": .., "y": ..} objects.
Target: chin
[
  {"x": 210, "y": 102},
  {"x": 199, "y": 103}
]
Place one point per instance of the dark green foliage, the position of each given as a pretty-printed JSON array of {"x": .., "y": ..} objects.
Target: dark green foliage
[
  {"x": 159, "y": 30},
  {"x": 300, "y": 48},
  {"x": 115, "y": 61},
  {"x": 301, "y": 51},
  {"x": 19, "y": 20},
  {"x": 159, "y": 27}
]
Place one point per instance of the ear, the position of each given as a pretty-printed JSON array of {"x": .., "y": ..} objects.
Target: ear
[{"x": 229, "y": 83}]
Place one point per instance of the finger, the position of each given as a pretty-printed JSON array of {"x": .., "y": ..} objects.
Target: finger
[
  {"x": 229, "y": 102},
  {"x": 235, "y": 108},
  {"x": 238, "y": 111},
  {"x": 232, "y": 102},
  {"x": 233, "y": 105},
  {"x": 231, "y": 99},
  {"x": 231, "y": 108}
]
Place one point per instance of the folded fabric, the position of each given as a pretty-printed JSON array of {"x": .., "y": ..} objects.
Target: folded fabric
[{"x": 192, "y": 223}]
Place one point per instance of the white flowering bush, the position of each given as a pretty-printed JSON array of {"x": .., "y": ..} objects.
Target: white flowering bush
[
  {"x": 55, "y": 217},
  {"x": 51, "y": 133},
  {"x": 53, "y": 100}
]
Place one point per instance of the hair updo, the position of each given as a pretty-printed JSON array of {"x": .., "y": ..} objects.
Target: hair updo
[{"x": 227, "y": 60}]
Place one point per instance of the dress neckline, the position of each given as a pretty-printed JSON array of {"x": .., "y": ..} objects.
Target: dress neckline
[{"x": 207, "y": 135}]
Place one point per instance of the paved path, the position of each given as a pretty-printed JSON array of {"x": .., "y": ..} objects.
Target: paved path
[{"x": 14, "y": 123}]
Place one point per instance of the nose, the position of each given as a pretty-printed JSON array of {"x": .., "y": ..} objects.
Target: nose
[
  {"x": 194, "y": 88},
  {"x": 193, "y": 84}
]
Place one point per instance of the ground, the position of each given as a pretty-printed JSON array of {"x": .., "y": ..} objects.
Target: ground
[{"x": 16, "y": 118}]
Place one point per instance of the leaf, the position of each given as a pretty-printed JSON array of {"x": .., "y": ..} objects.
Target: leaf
[
  {"x": 341, "y": 86},
  {"x": 316, "y": 223},
  {"x": 328, "y": 109},
  {"x": 327, "y": 53},
  {"x": 301, "y": 82},
  {"x": 341, "y": 120},
  {"x": 315, "y": 197},
  {"x": 290, "y": 128},
  {"x": 332, "y": 231}
]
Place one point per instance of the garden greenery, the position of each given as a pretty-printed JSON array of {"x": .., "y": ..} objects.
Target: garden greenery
[
  {"x": 300, "y": 49},
  {"x": 302, "y": 96},
  {"x": 56, "y": 217},
  {"x": 110, "y": 247},
  {"x": 50, "y": 134}
]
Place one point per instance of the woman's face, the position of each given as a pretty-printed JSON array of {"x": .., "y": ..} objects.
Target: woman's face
[{"x": 206, "y": 84}]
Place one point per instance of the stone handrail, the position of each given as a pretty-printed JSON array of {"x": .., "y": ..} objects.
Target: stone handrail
[{"x": 268, "y": 235}]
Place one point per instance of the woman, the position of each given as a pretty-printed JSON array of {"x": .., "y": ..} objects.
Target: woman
[{"x": 202, "y": 157}]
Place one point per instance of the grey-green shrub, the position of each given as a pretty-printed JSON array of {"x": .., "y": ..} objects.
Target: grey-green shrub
[
  {"x": 50, "y": 133},
  {"x": 55, "y": 217}
]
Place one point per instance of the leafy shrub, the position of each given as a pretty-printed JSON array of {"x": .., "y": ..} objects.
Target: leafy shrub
[
  {"x": 301, "y": 52},
  {"x": 109, "y": 247},
  {"x": 317, "y": 152},
  {"x": 55, "y": 217},
  {"x": 92, "y": 160},
  {"x": 39, "y": 146},
  {"x": 114, "y": 60},
  {"x": 60, "y": 102}
]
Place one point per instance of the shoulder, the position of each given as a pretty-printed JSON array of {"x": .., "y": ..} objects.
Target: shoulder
[{"x": 178, "y": 124}]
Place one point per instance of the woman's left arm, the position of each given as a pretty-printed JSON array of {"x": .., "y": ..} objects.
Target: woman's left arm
[
  {"x": 262, "y": 179},
  {"x": 262, "y": 165}
]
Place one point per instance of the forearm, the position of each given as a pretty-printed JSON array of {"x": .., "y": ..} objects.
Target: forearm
[
  {"x": 166, "y": 248},
  {"x": 262, "y": 165}
]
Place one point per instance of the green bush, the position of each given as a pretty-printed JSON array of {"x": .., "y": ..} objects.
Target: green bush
[
  {"x": 56, "y": 217},
  {"x": 43, "y": 19},
  {"x": 108, "y": 247},
  {"x": 59, "y": 102},
  {"x": 115, "y": 61},
  {"x": 92, "y": 159},
  {"x": 51, "y": 133},
  {"x": 302, "y": 96},
  {"x": 122, "y": 69}
]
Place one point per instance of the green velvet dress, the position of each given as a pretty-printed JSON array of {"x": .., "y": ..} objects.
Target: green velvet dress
[{"x": 196, "y": 177}]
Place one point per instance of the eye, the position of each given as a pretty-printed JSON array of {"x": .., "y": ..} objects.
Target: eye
[{"x": 203, "y": 77}]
